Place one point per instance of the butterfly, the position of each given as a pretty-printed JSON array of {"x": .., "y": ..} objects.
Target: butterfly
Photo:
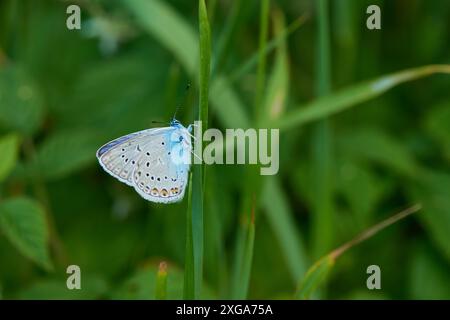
[{"x": 155, "y": 161}]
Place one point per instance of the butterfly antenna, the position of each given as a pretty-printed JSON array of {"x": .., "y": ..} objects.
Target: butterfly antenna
[
  {"x": 159, "y": 122},
  {"x": 188, "y": 86}
]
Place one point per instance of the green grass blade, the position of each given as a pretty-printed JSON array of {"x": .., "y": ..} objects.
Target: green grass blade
[
  {"x": 322, "y": 223},
  {"x": 251, "y": 62},
  {"x": 282, "y": 222},
  {"x": 225, "y": 38},
  {"x": 317, "y": 274},
  {"x": 262, "y": 57},
  {"x": 161, "y": 282},
  {"x": 205, "y": 62},
  {"x": 198, "y": 169},
  {"x": 247, "y": 257},
  {"x": 178, "y": 36},
  {"x": 353, "y": 95},
  {"x": 169, "y": 28},
  {"x": 278, "y": 83},
  {"x": 188, "y": 286}
]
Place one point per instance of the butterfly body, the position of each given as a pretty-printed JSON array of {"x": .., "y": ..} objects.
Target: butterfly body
[{"x": 155, "y": 161}]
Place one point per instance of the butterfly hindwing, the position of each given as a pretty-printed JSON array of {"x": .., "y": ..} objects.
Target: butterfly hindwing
[{"x": 157, "y": 177}]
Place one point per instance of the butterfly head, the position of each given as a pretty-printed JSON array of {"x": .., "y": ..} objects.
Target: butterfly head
[{"x": 176, "y": 123}]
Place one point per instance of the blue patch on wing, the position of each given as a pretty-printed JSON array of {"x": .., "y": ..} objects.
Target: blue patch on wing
[{"x": 114, "y": 143}]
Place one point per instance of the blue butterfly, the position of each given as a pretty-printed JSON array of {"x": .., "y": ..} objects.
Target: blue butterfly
[{"x": 155, "y": 162}]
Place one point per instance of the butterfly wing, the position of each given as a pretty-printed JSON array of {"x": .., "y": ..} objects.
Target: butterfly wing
[
  {"x": 120, "y": 156},
  {"x": 157, "y": 177}
]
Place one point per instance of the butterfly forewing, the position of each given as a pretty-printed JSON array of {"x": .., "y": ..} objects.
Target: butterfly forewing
[{"x": 120, "y": 156}]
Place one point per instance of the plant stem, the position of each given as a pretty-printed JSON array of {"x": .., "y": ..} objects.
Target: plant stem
[{"x": 321, "y": 149}]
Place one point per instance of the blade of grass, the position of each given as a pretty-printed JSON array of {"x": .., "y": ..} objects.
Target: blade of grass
[
  {"x": 161, "y": 282},
  {"x": 318, "y": 272},
  {"x": 226, "y": 37},
  {"x": 281, "y": 220},
  {"x": 262, "y": 57},
  {"x": 188, "y": 286},
  {"x": 278, "y": 82},
  {"x": 322, "y": 218},
  {"x": 198, "y": 169},
  {"x": 247, "y": 258},
  {"x": 250, "y": 63},
  {"x": 353, "y": 95},
  {"x": 160, "y": 20},
  {"x": 250, "y": 189}
]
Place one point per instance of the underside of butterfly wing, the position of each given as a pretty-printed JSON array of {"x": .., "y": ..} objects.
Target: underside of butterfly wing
[
  {"x": 157, "y": 177},
  {"x": 120, "y": 156}
]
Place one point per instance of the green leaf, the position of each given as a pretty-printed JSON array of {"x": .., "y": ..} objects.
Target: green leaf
[
  {"x": 64, "y": 153},
  {"x": 315, "y": 277},
  {"x": 189, "y": 271},
  {"x": 429, "y": 277},
  {"x": 278, "y": 82},
  {"x": 22, "y": 221},
  {"x": 364, "y": 199},
  {"x": 248, "y": 246},
  {"x": 433, "y": 191},
  {"x": 282, "y": 222},
  {"x": 21, "y": 106},
  {"x": 321, "y": 143},
  {"x": 438, "y": 125},
  {"x": 384, "y": 149},
  {"x": 177, "y": 35},
  {"x": 8, "y": 150},
  {"x": 349, "y": 97}
]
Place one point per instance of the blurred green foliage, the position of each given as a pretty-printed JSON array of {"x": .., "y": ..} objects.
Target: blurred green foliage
[{"x": 63, "y": 93}]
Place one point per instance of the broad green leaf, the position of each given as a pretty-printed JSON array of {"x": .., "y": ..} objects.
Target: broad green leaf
[
  {"x": 349, "y": 97},
  {"x": 22, "y": 221},
  {"x": 282, "y": 222},
  {"x": 8, "y": 150},
  {"x": 92, "y": 287},
  {"x": 21, "y": 106},
  {"x": 64, "y": 153}
]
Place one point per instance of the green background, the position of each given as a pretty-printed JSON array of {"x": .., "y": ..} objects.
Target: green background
[{"x": 64, "y": 93}]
